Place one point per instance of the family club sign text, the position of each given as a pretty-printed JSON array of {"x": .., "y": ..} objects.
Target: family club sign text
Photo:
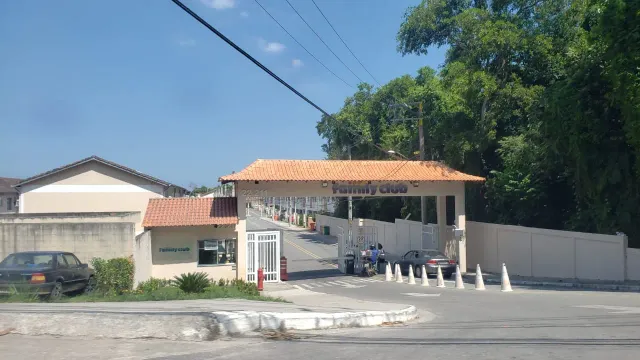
[{"x": 370, "y": 189}]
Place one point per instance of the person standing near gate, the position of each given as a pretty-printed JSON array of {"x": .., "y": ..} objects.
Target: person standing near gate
[
  {"x": 374, "y": 255},
  {"x": 381, "y": 259}
]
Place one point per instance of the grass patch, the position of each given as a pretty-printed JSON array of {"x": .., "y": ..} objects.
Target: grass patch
[
  {"x": 114, "y": 285},
  {"x": 165, "y": 293}
]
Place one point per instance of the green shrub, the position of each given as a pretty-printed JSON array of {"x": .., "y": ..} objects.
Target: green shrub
[
  {"x": 223, "y": 282},
  {"x": 152, "y": 285},
  {"x": 245, "y": 287},
  {"x": 192, "y": 282},
  {"x": 113, "y": 276}
]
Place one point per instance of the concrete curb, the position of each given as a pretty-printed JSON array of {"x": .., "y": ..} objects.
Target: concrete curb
[
  {"x": 238, "y": 323},
  {"x": 552, "y": 284},
  {"x": 170, "y": 326},
  {"x": 180, "y": 326}
]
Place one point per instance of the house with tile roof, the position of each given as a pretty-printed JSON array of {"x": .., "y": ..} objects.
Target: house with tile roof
[
  {"x": 8, "y": 195},
  {"x": 92, "y": 185},
  {"x": 185, "y": 235}
]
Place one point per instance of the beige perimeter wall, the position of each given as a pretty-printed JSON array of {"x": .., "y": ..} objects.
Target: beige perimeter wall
[
  {"x": 526, "y": 251},
  {"x": 166, "y": 265},
  {"x": 546, "y": 253},
  {"x": 105, "y": 237},
  {"x": 142, "y": 258}
]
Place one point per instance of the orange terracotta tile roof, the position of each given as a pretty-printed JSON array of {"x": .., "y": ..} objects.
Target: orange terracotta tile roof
[
  {"x": 191, "y": 212},
  {"x": 348, "y": 170}
]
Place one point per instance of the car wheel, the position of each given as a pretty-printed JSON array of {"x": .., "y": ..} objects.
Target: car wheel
[
  {"x": 91, "y": 285},
  {"x": 56, "y": 292}
]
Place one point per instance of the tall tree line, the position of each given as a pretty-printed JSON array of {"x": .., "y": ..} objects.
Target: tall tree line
[{"x": 542, "y": 97}]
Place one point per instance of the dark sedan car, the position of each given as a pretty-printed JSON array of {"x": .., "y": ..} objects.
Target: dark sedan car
[
  {"x": 431, "y": 259},
  {"x": 44, "y": 273}
]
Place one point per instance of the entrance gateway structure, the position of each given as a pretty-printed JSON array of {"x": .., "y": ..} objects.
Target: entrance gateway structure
[{"x": 332, "y": 178}]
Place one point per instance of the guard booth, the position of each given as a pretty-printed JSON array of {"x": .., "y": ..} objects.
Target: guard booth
[{"x": 342, "y": 178}]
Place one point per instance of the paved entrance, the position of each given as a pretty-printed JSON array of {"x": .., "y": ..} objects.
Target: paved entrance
[{"x": 309, "y": 255}]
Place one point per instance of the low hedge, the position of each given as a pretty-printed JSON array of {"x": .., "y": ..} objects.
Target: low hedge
[{"x": 113, "y": 276}]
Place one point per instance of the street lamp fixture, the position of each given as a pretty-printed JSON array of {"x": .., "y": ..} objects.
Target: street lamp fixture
[{"x": 393, "y": 152}]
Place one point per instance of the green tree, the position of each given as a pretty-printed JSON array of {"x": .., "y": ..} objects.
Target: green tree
[{"x": 541, "y": 97}]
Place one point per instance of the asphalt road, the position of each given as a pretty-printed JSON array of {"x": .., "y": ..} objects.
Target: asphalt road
[
  {"x": 308, "y": 254},
  {"x": 468, "y": 324}
]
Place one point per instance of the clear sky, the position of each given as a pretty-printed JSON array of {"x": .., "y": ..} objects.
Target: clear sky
[{"x": 143, "y": 84}]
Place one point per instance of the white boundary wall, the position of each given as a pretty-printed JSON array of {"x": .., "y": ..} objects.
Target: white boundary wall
[
  {"x": 546, "y": 253},
  {"x": 633, "y": 264},
  {"x": 397, "y": 238},
  {"x": 526, "y": 251}
]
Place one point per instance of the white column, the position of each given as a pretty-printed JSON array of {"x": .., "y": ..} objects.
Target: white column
[
  {"x": 441, "y": 211},
  {"x": 461, "y": 244},
  {"x": 241, "y": 231}
]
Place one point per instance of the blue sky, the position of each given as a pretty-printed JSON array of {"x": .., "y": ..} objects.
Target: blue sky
[{"x": 143, "y": 84}]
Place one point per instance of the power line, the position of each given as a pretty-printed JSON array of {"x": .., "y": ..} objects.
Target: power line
[
  {"x": 302, "y": 46},
  {"x": 265, "y": 69},
  {"x": 325, "y": 44},
  {"x": 345, "y": 44}
]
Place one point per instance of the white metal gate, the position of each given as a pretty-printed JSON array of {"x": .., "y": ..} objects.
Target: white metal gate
[
  {"x": 430, "y": 236},
  {"x": 263, "y": 250},
  {"x": 361, "y": 238}
]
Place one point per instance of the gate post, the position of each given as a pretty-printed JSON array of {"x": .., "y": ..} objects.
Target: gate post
[
  {"x": 283, "y": 269},
  {"x": 260, "y": 279}
]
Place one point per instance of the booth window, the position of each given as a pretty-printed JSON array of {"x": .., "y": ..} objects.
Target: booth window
[{"x": 216, "y": 252}]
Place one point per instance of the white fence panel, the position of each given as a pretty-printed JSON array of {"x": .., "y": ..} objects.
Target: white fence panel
[
  {"x": 526, "y": 251},
  {"x": 546, "y": 253},
  {"x": 633, "y": 264}
]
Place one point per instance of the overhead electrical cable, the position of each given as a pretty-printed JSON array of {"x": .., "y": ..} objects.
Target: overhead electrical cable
[
  {"x": 276, "y": 77},
  {"x": 325, "y": 44},
  {"x": 302, "y": 46},
  {"x": 345, "y": 44}
]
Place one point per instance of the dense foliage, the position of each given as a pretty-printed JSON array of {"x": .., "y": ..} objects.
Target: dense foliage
[
  {"x": 540, "y": 97},
  {"x": 113, "y": 276}
]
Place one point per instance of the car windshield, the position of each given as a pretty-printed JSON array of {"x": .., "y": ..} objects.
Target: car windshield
[
  {"x": 433, "y": 253},
  {"x": 24, "y": 260}
]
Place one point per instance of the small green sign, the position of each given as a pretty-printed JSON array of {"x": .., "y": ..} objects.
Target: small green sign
[{"x": 182, "y": 249}]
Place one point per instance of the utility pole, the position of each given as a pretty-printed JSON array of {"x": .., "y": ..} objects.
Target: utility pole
[
  {"x": 289, "y": 210},
  {"x": 349, "y": 239},
  {"x": 423, "y": 199}
]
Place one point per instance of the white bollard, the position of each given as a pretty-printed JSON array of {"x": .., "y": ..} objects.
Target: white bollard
[
  {"x": 387, "y": 273},
  {"x": 505, "y": 283},
  {"x": 425, "y": 278},
  {"x": 440, "y": 278},
  {"x": 398, "y": 274},
  {"x": 479, "y": 280},
  {"x": 459, "y": 283},
  {"x": 412, "y": 279}
]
